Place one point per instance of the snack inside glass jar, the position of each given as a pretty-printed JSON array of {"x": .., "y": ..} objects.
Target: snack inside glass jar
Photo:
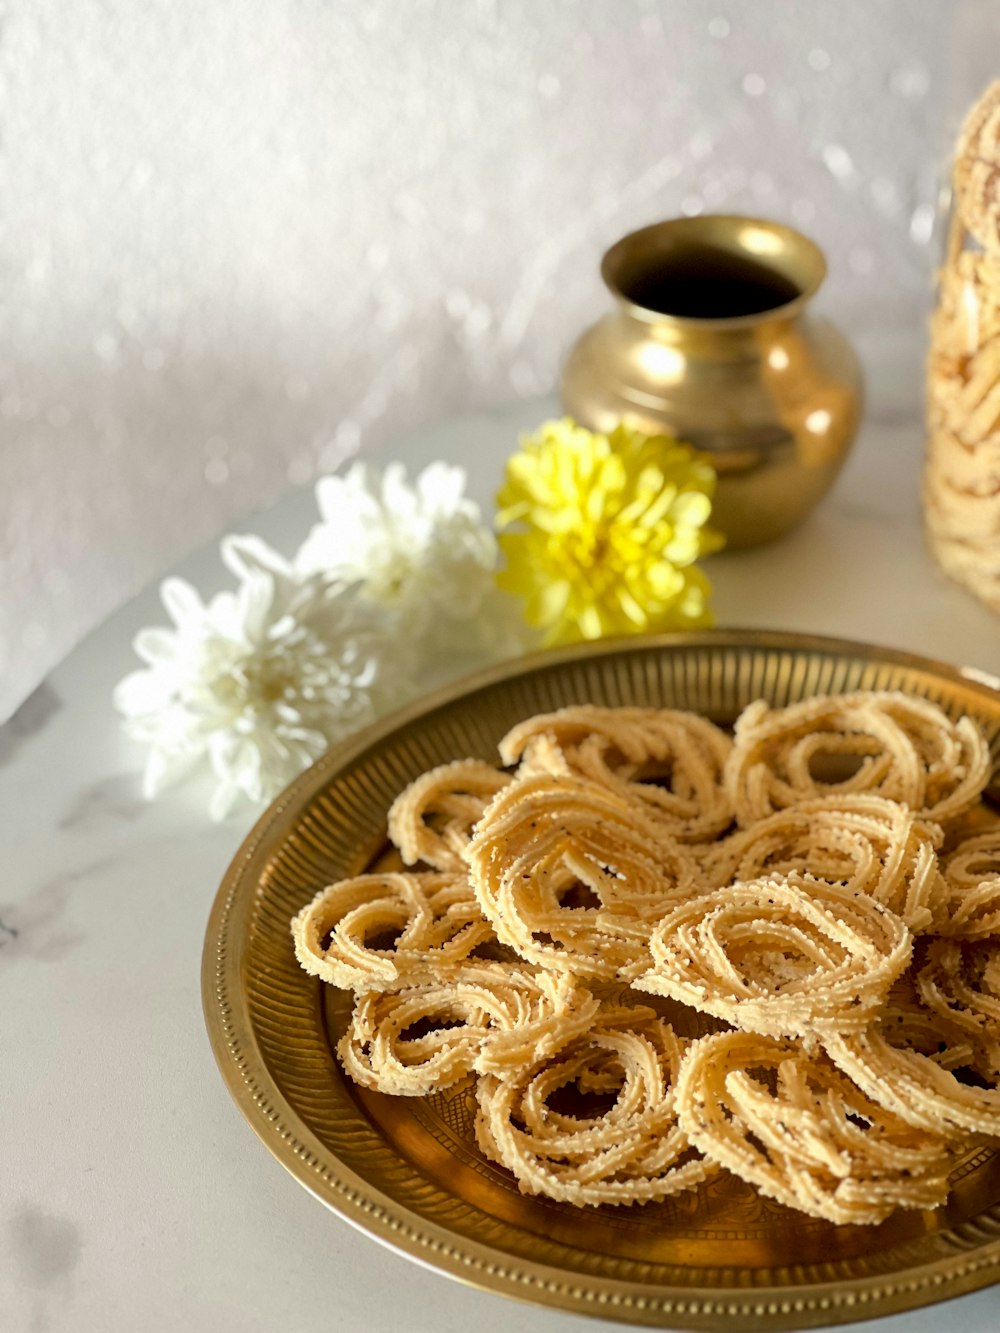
[{"x": 962, "y": 470}]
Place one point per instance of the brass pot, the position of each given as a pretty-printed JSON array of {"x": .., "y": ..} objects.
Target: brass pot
[{"x": 713, "y": 342}]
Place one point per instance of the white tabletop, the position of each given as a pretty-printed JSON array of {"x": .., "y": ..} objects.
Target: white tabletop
[{"x": 132, "y": 1193}]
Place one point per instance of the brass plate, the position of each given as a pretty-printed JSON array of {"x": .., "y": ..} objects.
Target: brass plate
[{"x": 406, "y": 1170}]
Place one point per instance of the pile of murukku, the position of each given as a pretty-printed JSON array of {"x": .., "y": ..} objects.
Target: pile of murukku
[{"x": 819, "y": 892}]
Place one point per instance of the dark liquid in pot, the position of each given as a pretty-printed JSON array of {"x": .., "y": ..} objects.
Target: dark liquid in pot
[{"x": 704, "y": 283}]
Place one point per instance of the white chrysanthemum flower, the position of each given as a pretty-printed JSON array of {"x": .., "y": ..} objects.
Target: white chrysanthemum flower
[
  {"x": 422, "y": 550},
  {"x": 258, "y": 681}
]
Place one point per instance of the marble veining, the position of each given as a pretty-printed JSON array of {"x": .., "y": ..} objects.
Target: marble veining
[
  {"x": 46, "y": 1251},
  {"x": 113, "y": 800},
  {"x": 40, "y": 925},
  {"x": 46, "y": 1247},
  {"x": 37, "y": 928}
]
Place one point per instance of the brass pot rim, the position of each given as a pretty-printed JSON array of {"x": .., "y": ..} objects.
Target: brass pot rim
[{"x": 787, "y": 252}]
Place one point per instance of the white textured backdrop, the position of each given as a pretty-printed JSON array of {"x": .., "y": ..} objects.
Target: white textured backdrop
[{"x": 242, "y": 239}]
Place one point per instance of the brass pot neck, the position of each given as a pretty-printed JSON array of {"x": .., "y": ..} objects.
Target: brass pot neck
[{"x": 766, "y": 271}]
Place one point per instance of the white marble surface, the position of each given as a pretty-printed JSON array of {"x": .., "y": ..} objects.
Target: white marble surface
[{"x": 132, "y": 1193}]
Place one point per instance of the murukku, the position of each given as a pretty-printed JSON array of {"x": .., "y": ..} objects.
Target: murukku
[
  {"x": 670, "y": 760},
  {"x": 790, "y": 956},
  {"x": 791, "y": 1123},
  {"x": 374, "y": 931},
  {"x": 628, "y": 1148},
  {"x": 976, "y": 177},
  {"x": 961, "y": 484},
  {"x": 432, "y": 820},
  {"x": 915, "y": 1087},
  {"x": 874, "y": 846},
  {"x": 898, "y": 746},
  {"x": 482, "y": 1016},
  {"x": 960, "y": 982},
  {"x": 908, "y": 1024},
  {"x": 572, "y": 875},
  {"x": 971, "y": 909},
  {"x": 847, "y": 930}
]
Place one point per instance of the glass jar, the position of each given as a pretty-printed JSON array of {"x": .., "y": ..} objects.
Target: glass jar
[{"x": 961, "y": 490}]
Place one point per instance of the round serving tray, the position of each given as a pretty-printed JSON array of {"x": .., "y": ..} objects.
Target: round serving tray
[{"x": 406, "y": 1170}]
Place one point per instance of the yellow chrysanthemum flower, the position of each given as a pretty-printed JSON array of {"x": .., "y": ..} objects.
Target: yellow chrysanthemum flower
[{"x": 604, "y": 531}]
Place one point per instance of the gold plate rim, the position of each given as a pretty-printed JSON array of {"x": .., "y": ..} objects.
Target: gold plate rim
[{"x": 276, "y": 1122}]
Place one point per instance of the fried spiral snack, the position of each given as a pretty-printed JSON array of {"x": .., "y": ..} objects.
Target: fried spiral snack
[
  {"x": 874, "y": 846},
  {"x": 915, "y": 1087},
  {"x": 433, "y": 919},
  {"x": 479, "y": 1017},
  {"x": 898, "y": 746},
  {"x": 960, "y": 983},
  {"x": 547, "y": 841},
  {"x": 908, "y": 1024},
  {"x": 670, "y": 761},
  {"x": 432, "y": 820},
  {"x": 630, "y": 1151},
  {"x": 971, "y": 909},
  {"x": 961, "y": 491},
  {"x": 788, "y": 956},
  {"x": 976, "y": 178},
  {"x": 792, "y": 1124}
]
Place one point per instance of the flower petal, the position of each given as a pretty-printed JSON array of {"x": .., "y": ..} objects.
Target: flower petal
[
  {"x": 181, "y": 601},
  {"x": 597, "y": 529},
  {"x": 165, "y": 768},
  {"x": 248, "y": 556},
  {"x": 156, "y": 646}
]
